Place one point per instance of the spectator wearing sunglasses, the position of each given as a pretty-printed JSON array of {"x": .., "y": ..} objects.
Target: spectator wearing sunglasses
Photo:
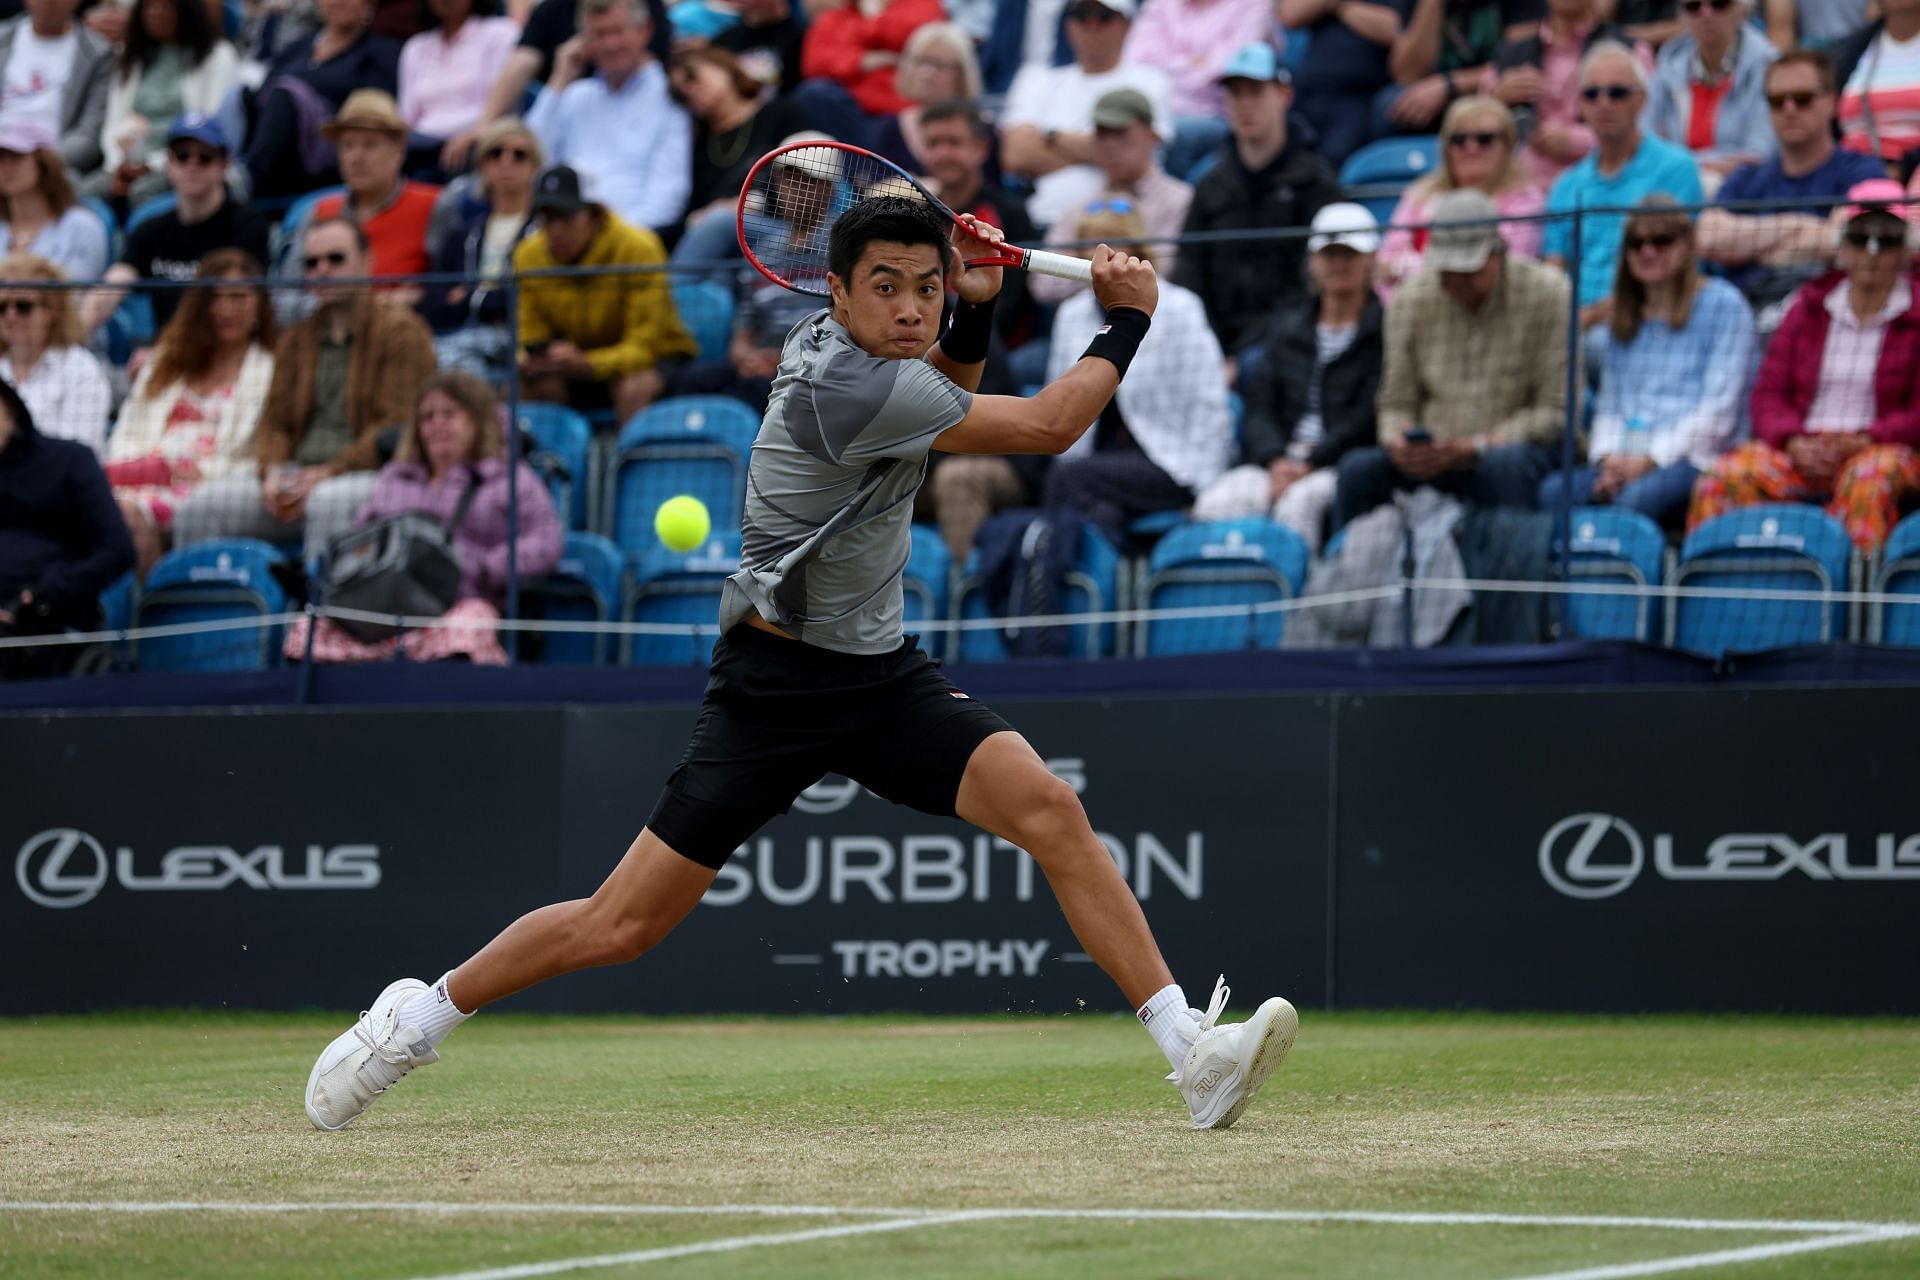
[
  {"x": 174, "y": 62},
  {"x": 1836, "y": 408},
  {"x": 341, "y": 376},
  {"x": 1478, "y": 149},
  {"x": 171, "y": 245},
  {"x": 479, "y": 223},
  {"x": 1538, "y": 76},
  {"x": 1710, "y": 89},
  {"x": 1674, "y": 376},
  {"x": 1046, "y": 131},
  {"x": 43, "y": 354},
  {"x": 394, "y": 211},
  {"x": 1770, "y": 252},
  {"x": 1879, "y": 72},
  {"x": 39, "y": 211},
  {"x": 1123, "y": 147},
  {"x": 1624, "y": 168}
]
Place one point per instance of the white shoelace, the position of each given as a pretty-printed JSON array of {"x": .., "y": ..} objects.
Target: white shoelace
[
  {"x": 1217, "y": 1004},
  {"x": 395, "y": 1061}
]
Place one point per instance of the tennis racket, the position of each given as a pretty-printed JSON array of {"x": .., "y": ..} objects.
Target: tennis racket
[{"x": 792, "y": 196}]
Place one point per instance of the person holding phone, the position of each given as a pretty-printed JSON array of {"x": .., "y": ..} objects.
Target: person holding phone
[{"x": 1473, "y": 391}]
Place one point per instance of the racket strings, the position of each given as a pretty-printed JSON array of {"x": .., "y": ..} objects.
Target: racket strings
[{"x": 790, "y": 206}]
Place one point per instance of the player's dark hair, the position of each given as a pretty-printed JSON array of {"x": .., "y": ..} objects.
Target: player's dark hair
[{"x": 895, "y": 219}]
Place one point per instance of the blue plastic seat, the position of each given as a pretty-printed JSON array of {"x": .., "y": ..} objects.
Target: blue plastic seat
[
  {"x": 927, "y": 585},
  {"x": 1773, "y": 547},
  {"x": 1897, "y": 572},
  {"x": 1092, "y": 585},
  {"x": 224, "y": 580},
  {"x": 147, "y": 210},
  {"x": 1615, "y": 546},
  {"x": 1228, "y": 563},
  {"x": 681, "y": 588},
  {"x": 697, "y": 445},
  {"x": 562, "y": 443},
  {"x": 583, "y": 587},
  {"x": 706, "y": 308},
  {"x": 1377, "y": 173}
]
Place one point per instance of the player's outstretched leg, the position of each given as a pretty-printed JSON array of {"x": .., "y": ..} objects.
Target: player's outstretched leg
[
  {"x": 650, "y": 892},
  {"x": 1008, "y": 790}
]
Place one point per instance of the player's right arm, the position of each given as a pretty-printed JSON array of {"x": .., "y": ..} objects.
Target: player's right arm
[{"x": 1061, "y": 412}]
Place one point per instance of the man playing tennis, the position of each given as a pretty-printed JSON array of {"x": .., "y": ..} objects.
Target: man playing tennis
[{"x": 812, "y": 674}]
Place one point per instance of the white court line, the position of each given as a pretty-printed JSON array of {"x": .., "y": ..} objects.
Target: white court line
[
  {"x": 730, "y": 1245},
  {"x": 1725, "y": 1257}
]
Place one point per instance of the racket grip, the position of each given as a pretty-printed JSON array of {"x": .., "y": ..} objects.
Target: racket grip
[{"x": 1058, "y": 265}]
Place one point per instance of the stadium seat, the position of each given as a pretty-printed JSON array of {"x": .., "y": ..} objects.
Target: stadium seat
[
  {"x": 1240, "y": 563},
  {"x": 1377, "y": 173},
  {"x": 706, "y": 308},
  {"x": 148, "y": 210},
  {"x": 927, "y": 584},
  {"x": 1615, "y": 546},
  {"x": 560, "y": 456},
  {"x": 696, "y": 445},
  {"x": 1093, "y": 585},
  {"x": 211, "y": 582},
  {"x": 292, "y": 224},
  {"x": 673, "y": 587},
  {"x": 1897, "y": 572},
  {"x": 583, "y": 587},
  {"x": 1773, "y": 547},
  {"x": 104, "y": 211}
]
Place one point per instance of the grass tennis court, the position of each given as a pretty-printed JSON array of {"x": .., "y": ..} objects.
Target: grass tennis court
[{"x": 886, "y": 1146}]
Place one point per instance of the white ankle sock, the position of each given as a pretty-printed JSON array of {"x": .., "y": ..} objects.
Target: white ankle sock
[
  {"x": 433, "y": 1013},
  {"x": 1172, "y": 1022}
]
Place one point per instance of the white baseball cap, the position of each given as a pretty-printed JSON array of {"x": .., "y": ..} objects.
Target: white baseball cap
[{"x": 1346, "y": 224}]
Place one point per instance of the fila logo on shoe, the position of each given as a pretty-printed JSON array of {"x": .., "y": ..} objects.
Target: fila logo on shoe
[{"x": 1206, "y": 1082}]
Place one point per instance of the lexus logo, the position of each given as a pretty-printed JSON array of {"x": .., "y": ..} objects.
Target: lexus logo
[
  {"x": 61, "y": 868},
  {"x": 1591, "y": 855}
]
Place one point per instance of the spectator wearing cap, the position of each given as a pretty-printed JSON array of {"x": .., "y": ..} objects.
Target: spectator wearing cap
[
  {"x": 341, "y": 377},
  {"x": 393, "y": 210},
  {"x": 1345, "y": 85},
  {"x": 1479, "y": 149},
  {"x": 173, "y": 63},
  {"x": 170, "y": 245},
  {"x": 307, "y": 83},
  {"x": 445, "y": 73},
  {"x": 1442, "y": 54},
  {"x": 1772, "y": 251},
  {"x": 606, "y": 340},
  {"x": 1709, "y": 90},
  {"x": 619, "y": 124},
  {"x": 1191, "y": 41},
  {"x": 39, "y": 212},
  {"x": 1473, "y": 392},
  {"x": 56, "y": 72},
  {"x": 1046, "y": 130},
  {"x": 1674, "y": 373},
  {"x": 1624, "y": 168},
  {"x": 1537, "y": 74},
  {"x": 1310, "y": 388},
  {"x": 1123, "y": 147},
  {"x": 1836, "y": 407},
  {"x": 1267, "y": 177},
  {"x": 1166, "y": 434},
  {"x": 1879, "y": 72}
]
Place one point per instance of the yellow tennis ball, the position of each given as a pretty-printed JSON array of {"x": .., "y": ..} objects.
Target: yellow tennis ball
[{"x": 682, "y": 522}]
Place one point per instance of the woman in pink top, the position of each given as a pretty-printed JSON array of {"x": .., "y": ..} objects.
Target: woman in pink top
[
  {"x": 446, "y": 73},
  {"x": 454, "y": 444},
  {"x": 1477, "y": 149}
]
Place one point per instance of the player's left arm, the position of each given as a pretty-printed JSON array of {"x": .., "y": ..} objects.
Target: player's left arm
[{"x": 961, "y": 353}]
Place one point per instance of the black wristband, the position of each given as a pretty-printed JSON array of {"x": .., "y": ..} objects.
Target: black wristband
[
  {"x": 1119, "y": 337},
  {"x": 971, "y": 329}
]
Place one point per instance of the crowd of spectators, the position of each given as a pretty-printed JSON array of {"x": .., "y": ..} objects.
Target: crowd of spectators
[{"x": 1701, "y": 203}]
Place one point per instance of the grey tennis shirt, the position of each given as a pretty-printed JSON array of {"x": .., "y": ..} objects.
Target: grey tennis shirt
[{"x": 839, "y": 457}]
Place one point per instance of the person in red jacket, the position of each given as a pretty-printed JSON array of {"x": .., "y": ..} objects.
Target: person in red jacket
[
  {"x": 1836, "y": 408},
  {"x": 851, "y": 61}
]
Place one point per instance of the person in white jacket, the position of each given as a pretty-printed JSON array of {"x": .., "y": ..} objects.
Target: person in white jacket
[
  {"x": 191, "y": 414},
  {"x": 1168, "y": 433},
  {"x": 174, "y": 63}
]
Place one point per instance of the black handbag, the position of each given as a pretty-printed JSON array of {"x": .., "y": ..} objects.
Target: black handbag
[{"x": 400, "y": 566}]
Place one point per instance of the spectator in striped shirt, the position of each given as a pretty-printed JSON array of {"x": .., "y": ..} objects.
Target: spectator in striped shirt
[{"x": 1880, "y": 69}]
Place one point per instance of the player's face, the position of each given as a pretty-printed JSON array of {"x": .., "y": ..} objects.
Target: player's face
[{"x": 891, "y": 301}]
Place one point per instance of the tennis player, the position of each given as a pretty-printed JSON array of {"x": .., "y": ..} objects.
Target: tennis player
[{"x": 812, "y": 674}]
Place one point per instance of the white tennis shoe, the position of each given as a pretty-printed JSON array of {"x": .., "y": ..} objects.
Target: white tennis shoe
[
  {"x": 366, "y": 1060},
  {"x": 1227, "y": 1065}
]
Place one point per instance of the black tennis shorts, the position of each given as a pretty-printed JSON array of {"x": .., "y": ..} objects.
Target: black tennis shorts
[{"x": 781, "y": 714}]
